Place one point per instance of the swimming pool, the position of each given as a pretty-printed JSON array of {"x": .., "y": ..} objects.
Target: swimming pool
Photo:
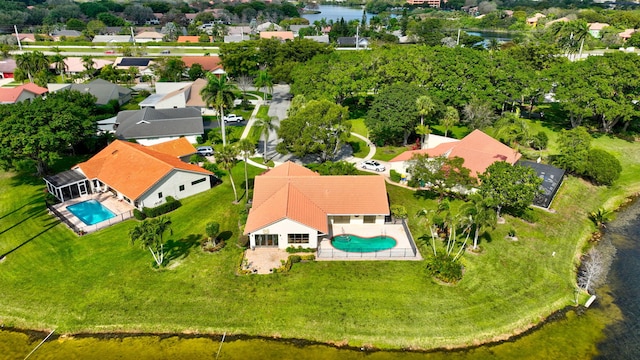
[
  {"x": 90, "y": 212},
  {"x": 353, "y": 243}
]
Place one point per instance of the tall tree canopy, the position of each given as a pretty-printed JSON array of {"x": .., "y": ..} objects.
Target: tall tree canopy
[
  {"x": 41, "y": 130},
  {"x": 509, "y": 187},
  {"x": 319, "y": 127},
  {"x": 394, "y": 115}
]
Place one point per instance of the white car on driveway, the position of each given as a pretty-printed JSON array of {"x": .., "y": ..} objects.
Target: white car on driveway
[
  {"x": 372, "y": 165},
  {"x": 232, "y": 118}
]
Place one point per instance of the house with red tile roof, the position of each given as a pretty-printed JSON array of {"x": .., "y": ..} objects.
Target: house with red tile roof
[
  {"x": 138, "y": 175},
  {"x": 28, "y": 91},
  {"x": 281, "y": 35},
  {"x": 191, "y": 39},
  {"x": 294, "y": 206},
  {"x": 478, "y": 150},
  {"x": 209, "y": 63}
]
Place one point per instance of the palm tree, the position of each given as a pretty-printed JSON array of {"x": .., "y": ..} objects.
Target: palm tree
[
  {"x": 246, "y": 148},
  {"x": 426, "y": 107},
  {"x": 32, "y": 63},
  {"x": 58, "y": 60},
  {"x": 263, "y": 80},
  {"x": 481, "y": 213},
  {"x": 87, "y": 62},
  {"x": 227, "y": 158},
  {"x": 219, "y": 94},
  {"x": 267, "y": 126},
  {"x": 149, "y": 233},
  {"x": 423, "y": 131},
  {"x": 570, "y": 34},
  {"x": 451, "y": 117}
]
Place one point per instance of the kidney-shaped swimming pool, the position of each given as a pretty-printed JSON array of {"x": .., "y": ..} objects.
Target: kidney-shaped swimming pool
[{"x": 353, "y": 243}]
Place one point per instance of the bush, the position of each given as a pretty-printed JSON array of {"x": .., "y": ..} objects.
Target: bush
[
  {"x": 395, "y": 176},
  {"x": 139, "y": 215},
  {"x": 200, "y": 140},
  {"x": 169, "y": 206},
  {"x": 310, "y": 257},
  {"x": 293, "y": 250},
  {"x": 602, "y": 167},
  {"x": 540, "y": 141},
  {"x": 295, "y": 258},
  {"x": 443, "y": 268},
  {"x": 195, "y": 158},
  {"x": 243, "y": 241},
  {"x": 529, "y": 215}
]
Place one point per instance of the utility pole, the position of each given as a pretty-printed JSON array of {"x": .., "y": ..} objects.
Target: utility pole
[
  {"x": 458, "y": 41},
  {"x": 357, "y": 36},
  {"x": 17, "y": 37}
]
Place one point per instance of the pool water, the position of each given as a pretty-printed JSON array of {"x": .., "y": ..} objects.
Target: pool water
[
  {"x": 90, "y": 212},
  {"x": 353, "y": 243}
]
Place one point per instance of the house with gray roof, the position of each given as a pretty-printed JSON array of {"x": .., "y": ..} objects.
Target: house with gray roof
[
  {"x": 112, "y": 39},
  {"x": 60, "y": 34},
  {"x": 323, "y": 39},
  {"x": 153, "y": 126},
  {"x": 103, "y": 90}
]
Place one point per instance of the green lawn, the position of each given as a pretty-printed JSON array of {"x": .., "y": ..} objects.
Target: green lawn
[
  {"x": 358, "y": 127},
  {"x": 100, "y": 283},
  {"x": 386, "y": 153}
]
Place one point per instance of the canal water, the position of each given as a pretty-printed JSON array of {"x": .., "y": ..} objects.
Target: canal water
[
  {"x": 610, "y": 329},
  {"x": 335, "y": 12}
]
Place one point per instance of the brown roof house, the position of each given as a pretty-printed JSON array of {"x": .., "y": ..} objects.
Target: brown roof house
[
  {"x": 478, "y": 150},
  {"x": 136, "y": 174},
  {"x": 28, "y": 91},
  {"x": 294, "y": 206}
]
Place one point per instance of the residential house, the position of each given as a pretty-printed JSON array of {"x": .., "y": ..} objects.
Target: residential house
[
  {"x": 235, "y": 38},
  {"x": 190, "y": 17},
  {"x": 138, "y": 175},
  {"x": 323, "y": 39},
  {"x": 268, "y": 26},
  {"x": 596, "y": 28},
  {"x": 626, "y": 34},
  {"x": 26, "y": 38},
  {"x": 352, "y": 41},
  {"x": 112, "y": 39},
  {"x": 149, "y": 36},
  {"x": 60, "y": 35},
  {"x": 562, "y": 19},
  {"x": 296, "y": 28},
  {"x": 28, "y": 91},
  {"x": 281, "y": 35},
  {"x": 180, "y": 148},
  {"x": 209, "y": 63},
  {"x": 478, "y": 150},
  {"x": 239, "y": 30},
  {"x": 294, "y": 206},
  {"x": 533, "y": 21},
  {"x": 153, "y": 126},
  {"x": 177, "y": 96},
  {"x": 142, "y": 64},
  {"x": 551, "y": 180},
  {"x": 191, "y": 39},
  {"x": 74, "y": 65},
  {"x": 7, "y": 68},
  {"x": 103, "y": 90}
]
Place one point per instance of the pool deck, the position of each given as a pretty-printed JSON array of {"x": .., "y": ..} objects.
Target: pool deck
[
  {"x": 402, "y": 251},
  {"x": 122, "y": 210}
]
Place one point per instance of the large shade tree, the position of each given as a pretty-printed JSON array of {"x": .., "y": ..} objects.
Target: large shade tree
[
  {"x": 218, "y": 93},
  {"x": 41, "y": 130},
  {"x": 31, "y": 63},
  {"x": 510, "y": 187},
  {"x": 318, "y": 128}
]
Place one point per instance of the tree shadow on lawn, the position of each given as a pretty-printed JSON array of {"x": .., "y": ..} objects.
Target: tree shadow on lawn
[
  {"x": 425, "y": 195},
  {"x": 180, "y": 249},
  {"x": 225, "y": 235},
  {"x": 32, "y": 200},
  {"x": 48, "y": 227}
]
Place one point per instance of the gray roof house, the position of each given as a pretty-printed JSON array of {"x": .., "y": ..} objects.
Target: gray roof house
[
  {"x": 112, "y": 39},
  {"x": 351, "y": 41},
  {"x": 323, "y": 39},
  {"x": 296, "y": 28},
  {"x": 153, "y": 126},
  {"x": 103, "y": 90}
]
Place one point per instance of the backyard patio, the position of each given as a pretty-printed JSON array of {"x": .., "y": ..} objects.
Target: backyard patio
[{"x": 121, "y": 209}]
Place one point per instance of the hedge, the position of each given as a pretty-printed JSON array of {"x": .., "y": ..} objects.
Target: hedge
[{"x": 169, "y": 206}]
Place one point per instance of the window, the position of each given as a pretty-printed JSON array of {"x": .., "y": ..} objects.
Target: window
[
  {"x": 160, "y": 195},
  {"x": 181, "y": 187},
  {"x": 341, "y": 219},
  {"x": 198, "y": 181},
  {"x": 298, "y": 238},
  {"x": 369, "y": 219}
]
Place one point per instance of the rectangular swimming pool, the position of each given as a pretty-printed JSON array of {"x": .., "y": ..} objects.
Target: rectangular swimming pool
[{"x": 90, "y": 212}]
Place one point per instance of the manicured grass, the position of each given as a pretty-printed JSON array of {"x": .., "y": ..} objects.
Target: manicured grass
[
  {"x": 386, "y": 153},
  {"x": 100, "y": 283},
  {"x": 360, "y": 148},
  {"x": 358, "y": 127}
]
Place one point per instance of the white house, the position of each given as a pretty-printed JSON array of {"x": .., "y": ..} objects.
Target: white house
[
  {"x": 138, "y": 175},
  {"x": 294, "y": 206},
  {"x": 177, "y": 96}
]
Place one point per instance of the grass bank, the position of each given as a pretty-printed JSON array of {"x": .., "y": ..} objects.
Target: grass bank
[{"x": 100, "y": 283}]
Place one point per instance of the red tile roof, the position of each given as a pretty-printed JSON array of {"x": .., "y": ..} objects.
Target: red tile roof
[
  {"x": 132, "y": 169},
  {"x": 209, "y": 63},
  {"x": 11, "y": 95},
  {"x": 191, "y": 39},
  {"x": 478, "y": 150},
  {"x": 293, "y": 192},
  {"x": 178, "y": 147}
]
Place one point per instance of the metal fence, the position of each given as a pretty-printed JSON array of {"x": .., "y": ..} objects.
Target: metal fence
[
  {"x": 85, "y": 229},
  {"x": 395, "y": 253},
  {"x": 409, "y": 236}
]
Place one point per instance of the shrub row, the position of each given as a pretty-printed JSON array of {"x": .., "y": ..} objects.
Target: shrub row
[
  {"x": 395, "y": 176},
  {"x": 293, "y": 250},
  {"x": 168, "y": 206}
]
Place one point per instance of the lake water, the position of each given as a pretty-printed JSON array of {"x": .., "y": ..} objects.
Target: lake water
[{"x": 334, "y": 12}]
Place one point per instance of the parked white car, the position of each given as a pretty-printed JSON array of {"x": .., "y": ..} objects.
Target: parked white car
[
  {"x": 232, "y": 118},
  {"x": 205, "y": 150},
  {"x": 372, "y": 165}
]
